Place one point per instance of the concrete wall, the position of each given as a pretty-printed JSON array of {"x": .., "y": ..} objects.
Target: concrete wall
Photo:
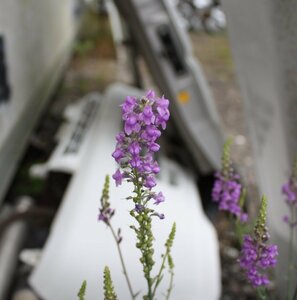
[{"x": 37, "y": 35}]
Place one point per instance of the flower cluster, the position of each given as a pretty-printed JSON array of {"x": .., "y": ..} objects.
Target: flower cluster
[
  {"x": 136, "y": 144},
  {"x": 289, "y": 189},
  {"x": 256, "y": 257},
  {"x": 256, "y": 254},
  {"x": 227, "y": 188}
]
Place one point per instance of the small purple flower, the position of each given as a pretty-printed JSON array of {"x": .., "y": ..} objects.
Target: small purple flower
[
  {"x": 161, "y": 216},
  {"x": 159, "y": 198},
  {"x": 147, "y": 115},
  {"x": 150, "y": 182},
  {"x": 136, "y": 163},
  {"x": 151, "y": 133},
  {"x": 131, "y": 124},
  {"x": 106, "y": 214},
  {"x": 155, "y": 167},
  {"x": 134, "y": 148},
  {"x": 118, "y": 177},
  {"x": 289, "y": 190},
  {"x": 163, "y": 112},
  {"x": 128, "y": 105},
  {"x": 139, "y": 208},
  {"x": 287, "y": 220},
  {"x": 150, "y": 95},
  {"x": 154, "y": 147},
  {"x": 244, "y": 217},
  {"x": 120, "y": 137},
  {"x": 118, "y": 154}
]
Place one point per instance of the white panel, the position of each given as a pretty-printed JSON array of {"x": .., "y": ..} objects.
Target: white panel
[{"x": 37, "y": 35}]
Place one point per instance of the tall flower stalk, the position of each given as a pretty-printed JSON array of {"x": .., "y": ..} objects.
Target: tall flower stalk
[
  {"x": 136, "y": 145},
  {"x": 227, "y": 191},
  {"x": 289, "y": 189},
  {"x": 257, "y": 255},
  {"x": 105, "y": 215}
]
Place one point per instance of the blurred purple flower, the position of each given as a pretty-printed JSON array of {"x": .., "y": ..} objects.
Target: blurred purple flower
[
  {"x": 226, "y": 192},
  {"x": 289, "y": 190},
  {"x": 256, "y": 256},
  {"x": 106, "y": 214},
  {"x": 159, "y": 198},
  {"x": 118, "y": 177}
]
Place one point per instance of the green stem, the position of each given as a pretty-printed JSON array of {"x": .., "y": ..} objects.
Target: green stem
[
  {"x": 170, "y": 285},
  {"x": 158, "y": 280},
  {"x": 122, "y": 262},
  {"x": 238, "y": 231},
  {"x": 295, "y": 294},
  {"x": 140, "y": 197},
  {"x": 150, "y": 296},
  {"x": 290, "y": 255},
  {"x": 261, "y": 291}
]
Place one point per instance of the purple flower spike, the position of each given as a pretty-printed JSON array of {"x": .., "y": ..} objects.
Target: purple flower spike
[
  {"x": 143, "y": 121},
  {"x": 227, "y": 191},
  {"x": 256, "y": 257}
]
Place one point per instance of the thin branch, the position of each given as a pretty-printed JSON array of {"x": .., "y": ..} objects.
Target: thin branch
[{"x": 122, "y": 262}]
